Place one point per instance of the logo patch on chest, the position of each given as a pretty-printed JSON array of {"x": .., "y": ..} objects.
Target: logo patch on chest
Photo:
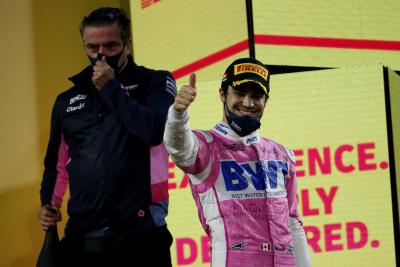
[
  {"x": 238, "y": 246},
  {"x": 267, "y": 176},
  {"x": 234, "y": 147},
  {"x": 76, "y": 98},
  {"x": 73, "y": 108}
]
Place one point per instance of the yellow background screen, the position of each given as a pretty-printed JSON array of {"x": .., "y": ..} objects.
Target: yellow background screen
[
  {"x": 334, "y": 120},
  {"x": 327, "y": 33}
]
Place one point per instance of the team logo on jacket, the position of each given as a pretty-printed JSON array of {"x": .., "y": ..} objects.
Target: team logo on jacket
[
  {"x": 221, "y": 128},
  {"x": 272, "y": 151},
  {"x": 257, "y": 179},
  {"x": 73, "y": 108},
  {"x": 73, "y": 101},
  {"x": 77, "y": 98},
  {"x": 234, "y": 147},
  {"x": 251, "y": 140}
]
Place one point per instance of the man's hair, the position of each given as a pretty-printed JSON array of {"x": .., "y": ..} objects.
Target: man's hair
[{"x": 105, "y": 16}]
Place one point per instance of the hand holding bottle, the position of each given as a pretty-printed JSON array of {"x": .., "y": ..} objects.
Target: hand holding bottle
[{"x": 49, "y": 216}]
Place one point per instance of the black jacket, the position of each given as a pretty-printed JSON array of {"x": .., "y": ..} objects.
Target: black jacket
[{"x": 108, "y": 135}]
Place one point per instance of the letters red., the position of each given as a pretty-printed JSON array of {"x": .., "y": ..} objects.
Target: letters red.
[
  {"x": 338, "y": 236},
  {"x": 331, "y": 235},
  {"x": 351, "y": 229}
]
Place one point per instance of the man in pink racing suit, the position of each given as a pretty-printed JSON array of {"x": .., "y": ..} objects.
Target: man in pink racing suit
[{"x": 244, "y": 185}]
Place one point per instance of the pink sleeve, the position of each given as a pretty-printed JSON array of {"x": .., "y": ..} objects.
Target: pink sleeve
[
  {"x": 159, "y": 173},
  {"x": 62, "y": 174}
]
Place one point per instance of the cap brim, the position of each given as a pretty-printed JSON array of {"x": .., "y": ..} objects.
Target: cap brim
[{"x": 238, "y": 83}]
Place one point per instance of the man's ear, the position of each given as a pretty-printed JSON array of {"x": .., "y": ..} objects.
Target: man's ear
[
  {"x": 222, "y": 95},
  {"x": 266, "y": 98},
  {"x": 129, "y": 46}
]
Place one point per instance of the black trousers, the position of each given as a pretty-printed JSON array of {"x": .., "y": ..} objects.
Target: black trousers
[{"x": 149, "y": 248}]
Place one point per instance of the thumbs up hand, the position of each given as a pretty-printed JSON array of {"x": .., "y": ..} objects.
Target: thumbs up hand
[{"x": 186, "y": 95}]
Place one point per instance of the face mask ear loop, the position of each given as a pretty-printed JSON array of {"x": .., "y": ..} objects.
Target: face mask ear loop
[{"x": 226, "y": 111}]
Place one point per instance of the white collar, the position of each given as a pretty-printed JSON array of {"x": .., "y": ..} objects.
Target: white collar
[{"x": 225, "y": 130}]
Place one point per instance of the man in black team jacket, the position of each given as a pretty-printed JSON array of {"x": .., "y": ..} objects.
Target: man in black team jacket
[{"x": 103, "y": 130}]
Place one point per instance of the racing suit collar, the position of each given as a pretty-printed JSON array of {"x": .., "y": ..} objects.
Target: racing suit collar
[{"x": 225, "y": 130}]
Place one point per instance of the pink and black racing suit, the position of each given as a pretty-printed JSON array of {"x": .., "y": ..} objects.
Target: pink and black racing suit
[{"x": 245, "y": 192}]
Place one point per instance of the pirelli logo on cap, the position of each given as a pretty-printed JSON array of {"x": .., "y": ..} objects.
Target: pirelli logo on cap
[{"x": 249, "y": 67}]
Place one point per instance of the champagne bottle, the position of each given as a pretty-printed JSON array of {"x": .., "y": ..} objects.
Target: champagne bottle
[{"x": 50, "y": 253}]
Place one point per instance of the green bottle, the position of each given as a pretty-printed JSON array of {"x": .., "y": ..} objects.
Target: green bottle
[{"x": 50, "y": 254}]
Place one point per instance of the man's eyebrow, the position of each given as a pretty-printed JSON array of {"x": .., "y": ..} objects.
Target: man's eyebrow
[
  {"x": 106, "y": 44},
  {"x": 111, "y": 43}
]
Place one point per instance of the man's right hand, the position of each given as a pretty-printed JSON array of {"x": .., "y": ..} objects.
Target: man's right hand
[
  {"x": 102, "y": 73},
  {"x": 186, "y": 95},
  {"x": 49, "y": 215}
]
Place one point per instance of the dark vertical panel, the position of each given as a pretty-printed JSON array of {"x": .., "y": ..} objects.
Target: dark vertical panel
[
  {"x": 250, "y": 27},
  {"x": 392, "y": 166}
]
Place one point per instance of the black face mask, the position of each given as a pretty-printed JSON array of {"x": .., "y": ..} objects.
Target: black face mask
[
  {"x": 112, "y": 61},
  {"x": 242, "y": 125}
]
